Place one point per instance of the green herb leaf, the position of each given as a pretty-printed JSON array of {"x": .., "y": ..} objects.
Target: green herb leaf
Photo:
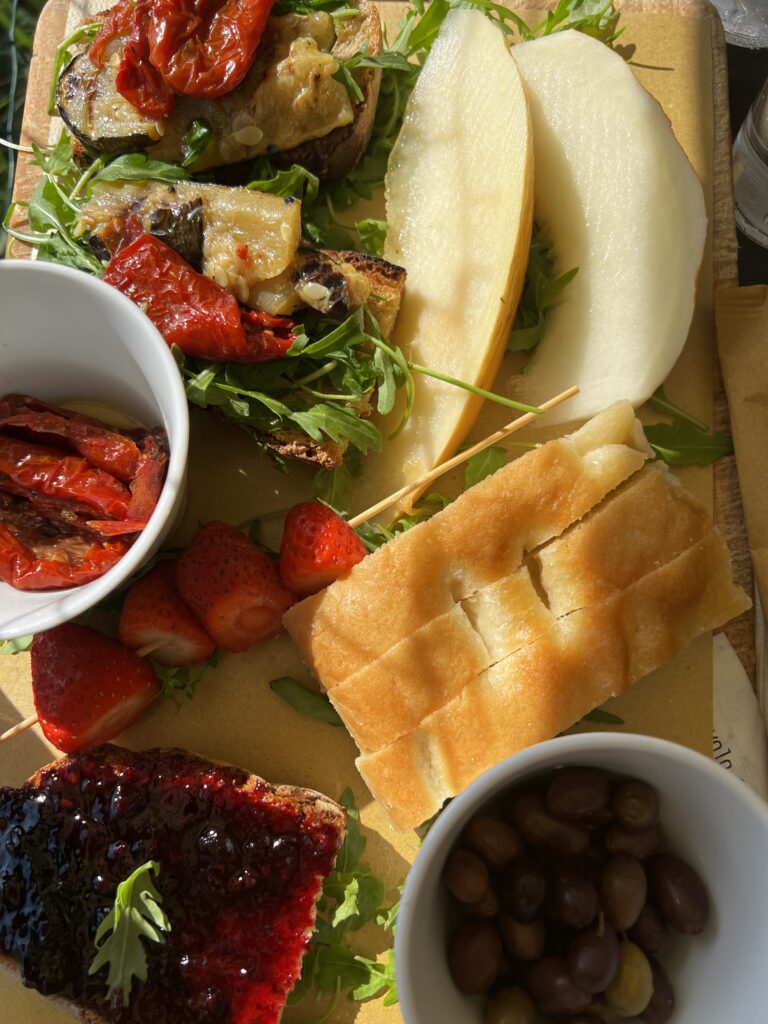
[
  {"x": 136, "y": 914},
  {"x": 139, "y": 167},
  {"x": 541, "y": 291},
  {"x": 483, "y": 464},
  {"x": 660, "y": 401},
  {"x": 179, "y": 682},
  {"x": 354, "y": 843},
  {"x": 603, "y": 717},
  {"x": 306, "y": 702},
  {"x": 64, "y": 56},
  {"x": 358, "y": 901},
  {"x": 682, "y": 444},
  {"x": 373, "y": 235},
  {"x": 15, "y": 646},
  {"x": 297, "y": 181},
  {"x": 332, "y": 487},
  {"x": 198, "y": 138}
]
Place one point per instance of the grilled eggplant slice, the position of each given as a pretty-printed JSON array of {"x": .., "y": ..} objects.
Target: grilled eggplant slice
[
  {"x": 96, "y": 113},
  {"x": 288, "y": 103},
  {"x": 182, "y": 229}
]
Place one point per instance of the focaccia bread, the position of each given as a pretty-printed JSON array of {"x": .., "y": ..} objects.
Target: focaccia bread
[
  {"x": 546, "y": 686},
  {"x": 646, "y": 523},
  {"x": 241, "y": 866},
  {"x": 416, "y": 578}
]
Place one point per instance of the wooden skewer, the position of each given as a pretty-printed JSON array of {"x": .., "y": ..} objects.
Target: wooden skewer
[
  {"x": 27, "y": 723},
  {"x": 19, "y": 727},
  {"x": 444, "y": 467}
]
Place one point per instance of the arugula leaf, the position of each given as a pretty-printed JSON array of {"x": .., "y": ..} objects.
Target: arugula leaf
[
  {"x": 178, "y": 682},
  {"x": 483, "y": 464},
  {"x": 381, "y": 980},
  {"x": 139, "y": 167},
  {"x": 297, "y": 181},
  {"x": 17, "y": 645},
  {"x": 198, "y": 138},
  {"x": 136, "y": 913},
  {"x": 373, "y": 535},
  {"x": 373, "y": 235},
  {"x": 64, "y": 56},
  {"x": 332, "y": 487},
  {"x": 682, "y": 444},
  {"x": 353, "y": 847},
  {"x": 660, "y": 401},
  {"x": 306, "y": 702},
  {"x": 604, "y": 717},
  {"x": 541, "y": 291}
]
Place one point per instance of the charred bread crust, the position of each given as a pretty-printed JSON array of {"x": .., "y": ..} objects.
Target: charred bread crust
[{"x": 387, "y": 282}]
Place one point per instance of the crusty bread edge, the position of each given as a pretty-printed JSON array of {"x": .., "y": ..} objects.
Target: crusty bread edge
[{"x": 310, "y": 801}]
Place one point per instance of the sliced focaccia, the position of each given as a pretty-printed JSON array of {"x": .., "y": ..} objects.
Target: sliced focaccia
[
  {"x": 546, "y": 686},
  {"x": 644, "y": 524},
  {"x": 479, "y": 539}
]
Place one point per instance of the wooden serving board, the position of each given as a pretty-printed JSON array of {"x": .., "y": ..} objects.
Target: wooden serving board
[{"x": 680, "y": 58}]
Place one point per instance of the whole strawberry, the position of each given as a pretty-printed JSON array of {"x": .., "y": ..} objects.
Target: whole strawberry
[
  {"x": 154, "y": 615},
  {"x": 318, "y": 547},
  {"x": 232, "y": 587},
  {"x": 87, "y": 687}
]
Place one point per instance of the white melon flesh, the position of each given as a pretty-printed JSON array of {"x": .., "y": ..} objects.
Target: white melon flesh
[
  {"x": 459, "y": 197},
  {"x": 617, "y": 198}
]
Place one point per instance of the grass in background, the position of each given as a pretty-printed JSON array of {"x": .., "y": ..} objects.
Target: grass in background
[{"x": 17, "y": 28}]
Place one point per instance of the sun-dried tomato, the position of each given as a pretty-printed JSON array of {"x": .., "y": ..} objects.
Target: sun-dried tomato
[
  {"x": 192, "y": 311},
  {"x": 62, "y": 562},
  {"x": 205, "y": 48}
]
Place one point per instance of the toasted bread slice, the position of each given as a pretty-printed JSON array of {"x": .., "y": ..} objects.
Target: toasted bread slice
[
  {"x": 99, "y": 118},
  {"x": 241, "y": 865},
  {"x": 546, "y": 686}
]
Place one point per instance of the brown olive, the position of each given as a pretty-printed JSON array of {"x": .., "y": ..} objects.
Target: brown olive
[
  {"x": 649, "y": 931},
  {"x": 488, "y": 906},
  {"x": 572, "y": 896},
  {"x": 524, "y": 889},
  {"x": 630, "y": 991},
  {"x": 662, "y": 1004},
  {"x": 679, "y": 893},
  {"x": 495, "y": 841},
  {"x": 593, "y": 958},
  {"x": 640, "y": 843},
  {"x": 579, "y": 794},
  {"x": 540, "y": 827},
  {"x": 474, "y": 956},
  {"x": 523, "y": 939},
  {"x": 623, "y": 891},
  {"x": 466, "y": 876},
  {"x": 552, "y": 989},
  {"x": 510, "y": 1006},
  {"x": 636, "y": 805},
  {"x": 581, "y": 1018}
]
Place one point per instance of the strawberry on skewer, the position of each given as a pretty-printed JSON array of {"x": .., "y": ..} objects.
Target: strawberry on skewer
[
  {"x": 155, "y": 615},
  {"x": 87, "y": 687},
  {"x": 232, "y": 587},
  {"x": 318, "y": 547}
]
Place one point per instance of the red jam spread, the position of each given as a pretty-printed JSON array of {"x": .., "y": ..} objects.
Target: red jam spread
[{"x": 240, "y": 871}]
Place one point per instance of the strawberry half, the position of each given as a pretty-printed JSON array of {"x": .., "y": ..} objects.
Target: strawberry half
[
  {"x": 154, "y": 613},
  {"x": 232, "y": 587},
  {"x": 87, "y": 687},
  {"x": 318, "y": 547}
]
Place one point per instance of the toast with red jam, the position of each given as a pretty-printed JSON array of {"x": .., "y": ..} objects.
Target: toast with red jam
[{"x": 241, "y": 867}]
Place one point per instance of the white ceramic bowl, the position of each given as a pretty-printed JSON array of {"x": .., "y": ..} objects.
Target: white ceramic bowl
[
  {"x": 709, "y": 818},
  {"x": 64, "y": 336}
]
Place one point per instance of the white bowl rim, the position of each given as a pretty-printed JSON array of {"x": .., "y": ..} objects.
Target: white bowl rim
[
  {"x": 67, "y": 603},
  {"x": 516, "y": 768}
]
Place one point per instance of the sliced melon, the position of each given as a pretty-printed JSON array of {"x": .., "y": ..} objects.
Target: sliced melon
[
  {"x": 618, "y": 199},
  {"x": 459, "y": 206}
]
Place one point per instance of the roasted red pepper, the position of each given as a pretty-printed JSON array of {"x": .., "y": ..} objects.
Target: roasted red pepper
[
  {"x": 64, "y": 562},
  {"x": 192, "y": 311},
  {"x": 201, "y": 48}
]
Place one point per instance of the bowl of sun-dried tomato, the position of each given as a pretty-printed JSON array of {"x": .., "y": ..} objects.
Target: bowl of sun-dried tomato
[{"x": 93, "y": 443}]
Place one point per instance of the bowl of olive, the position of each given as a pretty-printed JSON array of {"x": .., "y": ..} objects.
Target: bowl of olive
[{"x": 603, "y": 877}]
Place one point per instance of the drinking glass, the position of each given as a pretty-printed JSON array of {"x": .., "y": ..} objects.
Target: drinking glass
[
  {"x": 750, "y": 171},
  {"x": 745, "y": 21}
]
